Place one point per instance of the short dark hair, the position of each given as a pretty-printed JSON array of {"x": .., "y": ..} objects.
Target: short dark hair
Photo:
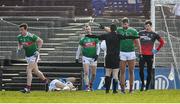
[
  {"x": 125, "y": 20},
  {"x": 148, "y": 22},
  {"x": 23, "y": 25},
  {"x": 113, "y": 27}
]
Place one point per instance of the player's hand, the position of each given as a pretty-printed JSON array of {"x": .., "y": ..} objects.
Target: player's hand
[
  {"x": 140, "y": 56},
  {"x": 36, "y": 54},
  {"x": 76, "y": 61},
  {"x": 95, "y": 58},
  {"x": 101, "y": 26},
  {"x": 154, "y": 51},
  {"x": 18, "y": 51}
]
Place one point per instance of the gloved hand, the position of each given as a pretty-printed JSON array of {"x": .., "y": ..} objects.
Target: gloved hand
[
  {"x": 95, "y": 58},
  {"x": 77, "y": 61},
  {"x": 101, "y": 26},
  {"x": 18, "y": 51},
  {"x": 36, "y": 54},
  {"x": 140, "y": 56},
  {"x": 154, "y": 51}
]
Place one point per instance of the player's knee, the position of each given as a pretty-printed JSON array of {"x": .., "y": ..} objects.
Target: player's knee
[
  {"x": 94, "y": 75},
  {"x": 131, "y": 72},
  {"x": 85, "y": 73},
  {"x": 122, "y": 72},
  {"x": 28, "y": 71}
]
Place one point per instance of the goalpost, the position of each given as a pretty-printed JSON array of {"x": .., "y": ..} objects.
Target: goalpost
[{"x": 164, "y": 22}]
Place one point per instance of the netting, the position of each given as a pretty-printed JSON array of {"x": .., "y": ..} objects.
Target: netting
[{"x": 167, "y": 23}]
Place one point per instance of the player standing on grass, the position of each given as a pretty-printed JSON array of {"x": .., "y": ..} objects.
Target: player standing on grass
[
  {"x": 127, "y": 52},
  {"x": 112, "y": 57},
  {"x": 147, "y": 39},
  {"x": 90, "y": 51},
  {"x": 31, "y": 43}
]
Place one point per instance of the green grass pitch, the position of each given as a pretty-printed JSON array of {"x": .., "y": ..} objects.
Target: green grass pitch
[{"x": 151, "y": 96}]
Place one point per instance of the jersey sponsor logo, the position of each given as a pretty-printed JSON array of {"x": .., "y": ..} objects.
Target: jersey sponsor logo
[
  {"x": 145, "y": 37},
  {"x": 89, "y": 44},
  {"x": 27, "y": 44}
]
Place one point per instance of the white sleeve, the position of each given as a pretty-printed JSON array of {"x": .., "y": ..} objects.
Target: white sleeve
[
  {"x": 98, "y": 49},
  {"x": 103, "y": 47},
  {"x": 78, "y": 52}
]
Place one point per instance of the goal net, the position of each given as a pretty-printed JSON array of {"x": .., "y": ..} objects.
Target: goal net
[{"x": 167, "y": 23}]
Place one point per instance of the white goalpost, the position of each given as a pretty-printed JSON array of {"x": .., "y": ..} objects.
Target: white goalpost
[{"x": 169, "y": 28}]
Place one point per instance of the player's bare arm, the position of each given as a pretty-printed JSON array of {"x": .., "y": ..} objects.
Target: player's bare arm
[
  {"x": 20, "y": 46},
  {"x": 107, "y": 29},
  {"x": 78, "y": 54},
  {"x": 137, "y": 43},
  {"x": 39, "y": 43}
]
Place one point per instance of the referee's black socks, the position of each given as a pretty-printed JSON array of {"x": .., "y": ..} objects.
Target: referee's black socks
[
  {"x": 115, "y": 82},
  {"x": 107, "y": 83}
]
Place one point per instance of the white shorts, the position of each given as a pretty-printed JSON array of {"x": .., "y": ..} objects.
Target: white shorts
[
  {"x": 32, "y": 59},
  {"x": 124, "y": 56},
  {"x": 90, "y": 61},
  {"x": 52, "y": 85},
  {"x": 67, "y": 85}
]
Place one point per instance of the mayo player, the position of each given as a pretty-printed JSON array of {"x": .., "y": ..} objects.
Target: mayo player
[
  {"x": 31, "y": 43},
  {"x": 90, "y": 50}
]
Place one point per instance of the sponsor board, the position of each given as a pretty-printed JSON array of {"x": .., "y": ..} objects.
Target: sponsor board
[{"x": 161, "y": 79}]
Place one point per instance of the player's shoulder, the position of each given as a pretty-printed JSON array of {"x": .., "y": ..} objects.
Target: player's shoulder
[
  {"x": 30, "y": 34},
  {"x": 119, "y": 28},
  {"x": 142, "y": 31},
  {"x": 19, "y": 36},
  {"x": 82, "y": 38},
  {"x": 156, "y": 34},
  {"x": 132, "y": 29}
]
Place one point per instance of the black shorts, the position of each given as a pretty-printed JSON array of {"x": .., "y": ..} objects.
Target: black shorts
[{"x": 112, "y": 61}]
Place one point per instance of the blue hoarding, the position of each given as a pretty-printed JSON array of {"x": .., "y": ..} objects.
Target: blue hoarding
[{"x": 161, "y": 79}]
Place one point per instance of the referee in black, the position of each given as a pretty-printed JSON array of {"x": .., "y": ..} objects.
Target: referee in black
[{"x": 112, "y": 57}]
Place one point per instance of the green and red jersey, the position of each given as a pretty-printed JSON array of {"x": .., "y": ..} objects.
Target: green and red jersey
[
  {"x": 29, "y": 43},
  {"x": 89, "y": 47}
]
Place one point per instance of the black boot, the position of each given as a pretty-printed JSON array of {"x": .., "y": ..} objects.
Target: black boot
[
  {"x": 142, "y": 87},
  {"x": 147, "y": 87},
  {"x": 107, "y": 83}
]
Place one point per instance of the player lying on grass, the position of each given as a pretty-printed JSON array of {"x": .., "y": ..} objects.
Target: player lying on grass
[
  {"x": 63, "y": 84},
  {"x": 112, "y": 57}
]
